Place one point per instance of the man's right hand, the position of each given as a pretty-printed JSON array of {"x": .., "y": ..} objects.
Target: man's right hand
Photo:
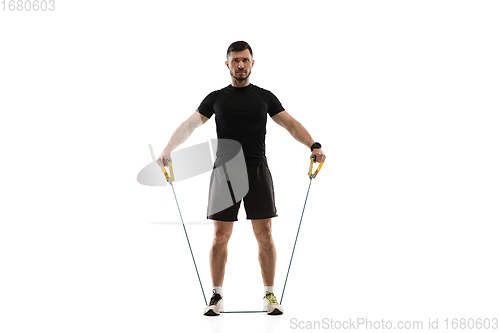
[{"x": 163, "y": 158}]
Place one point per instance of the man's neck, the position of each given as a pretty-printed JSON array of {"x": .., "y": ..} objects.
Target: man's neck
[{"x": 240, "y": 84}]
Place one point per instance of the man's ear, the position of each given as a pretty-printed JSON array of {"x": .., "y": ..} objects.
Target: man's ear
[{"x": 227, "y": 63}]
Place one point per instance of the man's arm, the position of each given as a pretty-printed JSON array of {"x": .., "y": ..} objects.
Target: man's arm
[
  {"x": 181, "y": 134},
  {"x": 299, "y": 132}
]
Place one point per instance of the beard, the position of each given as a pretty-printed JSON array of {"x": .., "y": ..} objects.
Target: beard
[{"x": 241, "y": 78}]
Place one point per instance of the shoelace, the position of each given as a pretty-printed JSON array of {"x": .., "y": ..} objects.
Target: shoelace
[
  {"x": 271, "y": 298},
  {"x": 215, "y": 298}
]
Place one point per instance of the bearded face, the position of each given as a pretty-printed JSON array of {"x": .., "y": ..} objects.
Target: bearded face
[{"x": 240, "y": 65}]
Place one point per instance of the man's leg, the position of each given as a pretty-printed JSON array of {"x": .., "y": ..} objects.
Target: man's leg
[
  {"x": 218, "y": 252},
  {"x": 218, "y": 259},
  {"x": 267, "y": 252},
  {"x": 267, "y": 258}
]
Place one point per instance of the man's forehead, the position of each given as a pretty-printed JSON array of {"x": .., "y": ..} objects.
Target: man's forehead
[{"x": 240, "y": 54}]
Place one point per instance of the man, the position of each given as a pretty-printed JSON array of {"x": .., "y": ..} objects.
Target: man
[{"x": 241, "y": 111}]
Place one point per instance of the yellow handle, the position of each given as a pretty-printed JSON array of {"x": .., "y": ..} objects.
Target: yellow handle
[
  {"x": 313, "y": 175},
  {"x": 169, "y": 178}
]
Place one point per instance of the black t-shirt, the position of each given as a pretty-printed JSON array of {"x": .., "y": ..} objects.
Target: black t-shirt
[{"x": 241, "y": 115}]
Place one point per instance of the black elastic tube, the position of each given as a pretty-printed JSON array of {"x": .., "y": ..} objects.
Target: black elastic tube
[
  {"x": 244, "y": 311},
  {"x": 190, "y": 250},
  {"x": 296, "y": 240}
]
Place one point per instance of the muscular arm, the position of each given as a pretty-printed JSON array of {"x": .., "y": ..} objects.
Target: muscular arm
[
  {"x": 181, "y": 134},
  {"x": 295, "y": 128},
  {"x": 299, "y": 132}
]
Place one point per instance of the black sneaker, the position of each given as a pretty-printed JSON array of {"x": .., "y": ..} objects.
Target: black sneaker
[{"x": 216, "y": 305}]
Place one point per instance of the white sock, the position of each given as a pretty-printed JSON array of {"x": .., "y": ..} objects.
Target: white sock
[
  {"x": 218, "y": 290},
  {"x": 268, "y": 288}
]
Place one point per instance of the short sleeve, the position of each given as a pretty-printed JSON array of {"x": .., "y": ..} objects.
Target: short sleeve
[
  {"x": 206, "y": 107},
  {"x": 274, "y": 105}
]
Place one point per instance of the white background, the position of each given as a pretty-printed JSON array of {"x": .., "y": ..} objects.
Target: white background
[{"x": 401, "y": 223}]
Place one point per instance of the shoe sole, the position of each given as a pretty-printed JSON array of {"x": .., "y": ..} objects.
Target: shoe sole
[
  {"x": 275, "y": 312},
  {"x": 211, "y": 313}
]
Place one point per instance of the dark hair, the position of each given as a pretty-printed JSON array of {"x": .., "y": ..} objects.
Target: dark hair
[{"x": 239, "y": 46}]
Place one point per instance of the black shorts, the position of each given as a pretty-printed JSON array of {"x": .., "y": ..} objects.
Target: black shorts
[{"x": 259, "y": 200}]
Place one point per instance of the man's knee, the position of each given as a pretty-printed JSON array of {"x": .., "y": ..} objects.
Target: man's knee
[
  {"x": 263, "y": 233},
  {"x": 222, "y": 233}
]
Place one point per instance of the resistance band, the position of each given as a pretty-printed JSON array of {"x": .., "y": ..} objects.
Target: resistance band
[
  {"x": 311, "y": 177},
  {"x": 170, "y": 180}
]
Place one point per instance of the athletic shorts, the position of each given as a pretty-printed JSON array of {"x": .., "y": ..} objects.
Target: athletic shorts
[{"x": 259, "y": 200}]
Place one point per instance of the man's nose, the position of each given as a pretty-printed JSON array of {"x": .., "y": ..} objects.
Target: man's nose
[{"x": 241, "y": 64}]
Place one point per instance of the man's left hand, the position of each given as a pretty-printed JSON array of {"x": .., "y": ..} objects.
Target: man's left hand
[{"x": 320, "y": 155}]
